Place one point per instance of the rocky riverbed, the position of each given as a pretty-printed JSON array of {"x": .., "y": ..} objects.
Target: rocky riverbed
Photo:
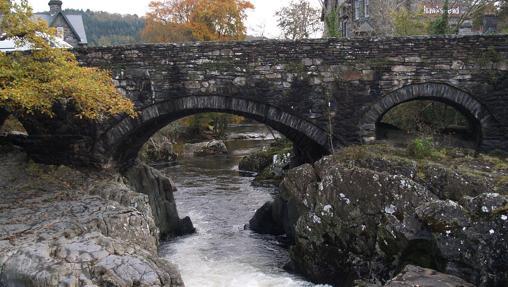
[
  {"x": 366, "y": 216},
  {"x": 63, "y": 227},
  {"x": 360, "y": 216}
]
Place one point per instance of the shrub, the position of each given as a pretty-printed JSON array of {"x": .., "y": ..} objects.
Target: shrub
[{"x": 421, "y": 148}]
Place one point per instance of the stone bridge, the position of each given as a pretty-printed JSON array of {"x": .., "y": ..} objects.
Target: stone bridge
[{"x": 322, "y": 94}]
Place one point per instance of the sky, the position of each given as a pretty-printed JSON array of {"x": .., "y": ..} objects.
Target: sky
[{"x": 260, "y": 21}]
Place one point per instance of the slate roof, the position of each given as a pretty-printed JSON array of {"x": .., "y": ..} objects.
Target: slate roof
[
  {"x": 8, "y": 45},
  {"x": 74, "y": 21}
]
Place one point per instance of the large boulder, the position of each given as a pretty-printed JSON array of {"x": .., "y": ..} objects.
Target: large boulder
[
  {"x": 271, "y": 162},
  {"x": 215, "y": 147},
  {"x": 159, "y": 188},
  {"x": 268, "y": 220},
  {"x": 275, "y": 171},
  {"x": 355, "y": 222},
  {"x": 158, "y": 152},
  {"x": 367, "y": 215},
  {"x": 255, "y": 162}
]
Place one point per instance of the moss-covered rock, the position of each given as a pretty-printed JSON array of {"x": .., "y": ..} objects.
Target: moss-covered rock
[
  {"x": 269, "y": 163},
  {"x": 162, "y": 152},
  {"x": 256, "y": 162},
  {"x": 214, "y": 147}
]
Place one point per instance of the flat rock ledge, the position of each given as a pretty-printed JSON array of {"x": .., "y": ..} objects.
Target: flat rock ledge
[
  {"x": 423, "y": 277},
  {"x": 62, "y": 227}
]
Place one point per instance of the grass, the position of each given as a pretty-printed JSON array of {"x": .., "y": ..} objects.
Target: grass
[
  {"x": 502, "y": 183},
  {"x": 422, "y": 152}
]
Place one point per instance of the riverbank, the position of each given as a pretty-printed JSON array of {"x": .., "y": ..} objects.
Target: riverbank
[
  {"x": 363, "y": 214},
  {"x": 78, "y": 228},
  {"x": 355, "y": 218}
]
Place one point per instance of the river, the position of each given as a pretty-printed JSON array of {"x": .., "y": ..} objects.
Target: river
[{"x": 220, "y": 202}]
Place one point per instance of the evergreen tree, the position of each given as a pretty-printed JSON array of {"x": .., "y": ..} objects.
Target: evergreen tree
[
  {"x": 440, "y": 26},
  {"x": 109, "y": 29}
]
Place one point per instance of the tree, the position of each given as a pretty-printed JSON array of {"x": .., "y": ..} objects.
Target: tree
[
  {"x": 33, "y": 82},
  {"x": 221, "y": 20},
  {"x": 298, "y": 20},
  {"x": 196, "y": 20},
  {"x": 408, "y": 23},
  {"x": 474, "y": 9},
  {"x": 440, "y": 25},
  {"x": 503, "y": 17},
  {"x": 398, "y": 11},
  {"x": 331, "y": 19}
]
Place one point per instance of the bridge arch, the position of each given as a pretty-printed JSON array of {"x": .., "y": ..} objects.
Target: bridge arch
[
  {"x": 125, "y": 138},
  {"x": 481, "y": 121}
]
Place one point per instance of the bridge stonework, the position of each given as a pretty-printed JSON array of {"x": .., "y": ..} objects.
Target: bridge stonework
[{"x": 322, "y": 94}]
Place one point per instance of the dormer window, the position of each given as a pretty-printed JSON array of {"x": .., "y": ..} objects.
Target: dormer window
[
  {"x": 357, "y": 9},
  {"x": 60, "y": 32}
]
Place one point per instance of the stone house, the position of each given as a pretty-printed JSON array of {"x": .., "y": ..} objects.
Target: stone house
[
  {"x": 372, "y": 17},
  {"x": 69, "y": 27},
  {"x": 362, "y": 17}
]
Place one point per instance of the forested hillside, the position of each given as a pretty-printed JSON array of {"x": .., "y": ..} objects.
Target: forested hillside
[{"x": 105, "y": 29}]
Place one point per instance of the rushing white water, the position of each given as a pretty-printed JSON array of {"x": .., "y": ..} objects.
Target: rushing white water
[{"x": 220, "y": 202}]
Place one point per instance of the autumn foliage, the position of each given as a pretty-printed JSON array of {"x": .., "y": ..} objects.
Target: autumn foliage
[
  {"x": 32, "y": 82},
  {"x": 196, "y": 20}
]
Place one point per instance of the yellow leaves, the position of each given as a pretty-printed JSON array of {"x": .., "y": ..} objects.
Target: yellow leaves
[
  {"x": 409, "y": 23},
  {"x": 33, "y": 82},
  {"x": 196, "y": 20},
  {"x": 220, "y": 19}
]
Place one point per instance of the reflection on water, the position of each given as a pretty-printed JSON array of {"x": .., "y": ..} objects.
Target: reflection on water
[{"x": 220, "y": 202}]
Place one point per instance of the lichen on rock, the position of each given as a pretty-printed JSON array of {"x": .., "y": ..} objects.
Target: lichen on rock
[{"x": 366, "y": 212}]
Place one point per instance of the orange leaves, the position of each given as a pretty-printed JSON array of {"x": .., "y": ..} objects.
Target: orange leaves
[
  {"x": 220, "y": 20},
  {"x": 157, "y": 32},
  {"x": 196, "y": 20},
  {"x": 172, "y": 11},
  {"x": 33, "y": 82}
]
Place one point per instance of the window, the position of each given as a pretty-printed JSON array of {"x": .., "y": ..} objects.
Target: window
[
  {"x": 366, "y": 8},
  {"x": 344, "y": 28},
  {"x": 60, "y": 32},
  {"x": 357, "y": 9}
]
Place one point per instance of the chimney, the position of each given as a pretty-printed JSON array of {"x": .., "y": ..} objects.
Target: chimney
[
  {"x": 466, "y": 28},
  {"x": 55, "y": 7},
  {"x": 490, "y": 20}
]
